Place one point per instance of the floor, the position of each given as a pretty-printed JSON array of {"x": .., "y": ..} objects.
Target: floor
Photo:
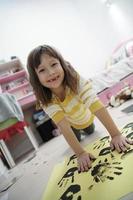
[{"x": 29, "y": 178}]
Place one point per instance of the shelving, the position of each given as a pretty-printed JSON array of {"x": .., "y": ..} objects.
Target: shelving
[
  {"x": 11, "y": 77},
  {"x": 18, "y": 87},
  {"x": 14, "y": 80}
]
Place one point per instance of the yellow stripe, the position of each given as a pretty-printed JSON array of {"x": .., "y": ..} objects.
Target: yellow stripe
[
  {"x": 85, "y": 89},
  {"x": 86, "y": 100},
  {"x": 79, "y": 110},
  {"x": 52, "y": 109},
  {"x": 71, "y": 105},
  {"x": 58, "y": 117},
  {"x": 74, "y": 109},
  {"x": 90, "y": 101},
  {"x": 96, "y": 106},
  {"x": 80, "y": 114},
  {"x": 67, "y": 100},
  {"x": 82, "y": 94},
  {"x": 82, "y": 120},
  {"x": 90, "y": 121}
]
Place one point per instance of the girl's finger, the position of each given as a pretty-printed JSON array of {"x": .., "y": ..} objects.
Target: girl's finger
[
  {"x": 78, "y": 165},
  {"x": 126, "y": 144},
  {"x": 81, "y": 167},
  {"x": 89, "y": 162},
  {"x": 92, "y": 158},
  {"x": 122, "y": 147},
  {"x": 87, "y": 165},
  {"x": 112, "y": 146},
  {"x": 117, "y": 148}
]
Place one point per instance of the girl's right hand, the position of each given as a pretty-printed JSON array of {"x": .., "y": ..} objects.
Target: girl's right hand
[{"x": 85, "y": 160}]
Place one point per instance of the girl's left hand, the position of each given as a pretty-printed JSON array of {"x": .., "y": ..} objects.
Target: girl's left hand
[{"x": 120, "y": 143}]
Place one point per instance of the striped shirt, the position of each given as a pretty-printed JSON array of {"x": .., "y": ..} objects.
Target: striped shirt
[{"x": 77, "y": 109}]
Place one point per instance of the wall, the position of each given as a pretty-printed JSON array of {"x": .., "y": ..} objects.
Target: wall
[{"x": 84, "y": 31}]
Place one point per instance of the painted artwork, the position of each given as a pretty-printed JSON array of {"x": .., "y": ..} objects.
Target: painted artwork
[{"x": 110, "y": 178}]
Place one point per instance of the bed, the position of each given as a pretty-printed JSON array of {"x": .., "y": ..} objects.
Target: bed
[{"x": 117, "y": 74}]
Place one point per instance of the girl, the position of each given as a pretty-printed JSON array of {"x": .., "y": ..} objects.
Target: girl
[{"x": 70, "y": 101}]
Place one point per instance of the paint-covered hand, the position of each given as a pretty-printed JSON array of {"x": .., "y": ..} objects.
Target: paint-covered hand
[
  {"x": 120, "y": 143},
  {"x": 85, "y": 160}
]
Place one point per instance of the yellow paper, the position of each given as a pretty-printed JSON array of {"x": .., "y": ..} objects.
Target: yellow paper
[{"x": 110, "y": 177}]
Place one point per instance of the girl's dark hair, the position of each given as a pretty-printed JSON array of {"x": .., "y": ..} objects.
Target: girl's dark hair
[{"x": 44, "y": 94}]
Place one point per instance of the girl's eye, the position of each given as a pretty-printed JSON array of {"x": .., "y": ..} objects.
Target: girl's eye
[
  {"x": 41, "y": 70},
  {"x": 54, "y": 64}
]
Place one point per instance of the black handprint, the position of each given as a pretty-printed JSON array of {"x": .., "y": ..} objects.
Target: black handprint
[
  {"x": 72, "y": 158},
  {"x": 67, "y": 175},
  {"x": 71, "y": 193},
  {"x": 104, "y": 170},
  {"x": 127, "y": 129},
  {"x": 126, "y": 153},
  {"x": 130, "y": 136},
  {"x": 101, "y": 142},
  {"x": 130, "y": 125},
  {"x": 105, "y": 151}
]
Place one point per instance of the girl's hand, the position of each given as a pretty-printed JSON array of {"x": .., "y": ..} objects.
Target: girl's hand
[
  {"x": 84, "y": 161},
  {"x": 120, "y": 143}
]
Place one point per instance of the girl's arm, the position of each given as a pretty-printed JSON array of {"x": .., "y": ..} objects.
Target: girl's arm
[
  {"x": 118, "y": 141},
  {"x": 84, "y": 158},
  {"x": 104, "y": 116}
]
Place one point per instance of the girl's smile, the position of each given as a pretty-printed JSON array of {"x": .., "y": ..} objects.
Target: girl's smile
[
  {"x": 53, "y": 79},
  {"x": 50, "y": 73}
]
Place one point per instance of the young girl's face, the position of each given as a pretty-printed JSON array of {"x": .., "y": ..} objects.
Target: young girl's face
[{"x": 50, "y": 72}]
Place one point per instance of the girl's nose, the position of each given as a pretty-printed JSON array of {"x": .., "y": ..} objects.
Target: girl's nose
[{"x": 50, "y": 71}]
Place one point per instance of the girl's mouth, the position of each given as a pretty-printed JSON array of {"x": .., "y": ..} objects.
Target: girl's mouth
[{"x": 53, "y": 79}]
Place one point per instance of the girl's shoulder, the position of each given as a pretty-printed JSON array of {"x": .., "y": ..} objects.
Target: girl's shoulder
[{"x": 84, "y": 83}]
